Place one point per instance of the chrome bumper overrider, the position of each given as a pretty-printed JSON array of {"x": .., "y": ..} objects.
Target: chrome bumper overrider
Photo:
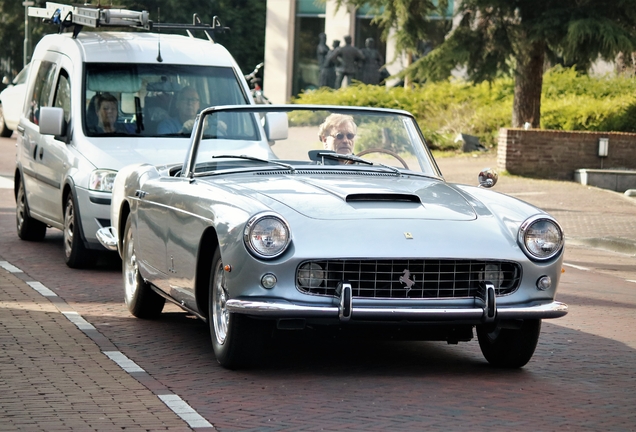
[
  {"x": 287, "y": 310},
  {"x": 106, "y": 238}
]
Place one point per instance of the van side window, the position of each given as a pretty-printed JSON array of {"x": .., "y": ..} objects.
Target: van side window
[
  {"x": 41, "y": 90},
  {"x": 63, "y": 95}
]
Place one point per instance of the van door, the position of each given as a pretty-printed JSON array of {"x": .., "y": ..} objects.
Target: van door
[
  {"x": 51, "y": 155},
  {"x": 36, "y": 184}
]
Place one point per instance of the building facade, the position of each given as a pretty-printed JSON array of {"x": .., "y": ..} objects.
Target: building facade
[{"x": 292, "y": 37}]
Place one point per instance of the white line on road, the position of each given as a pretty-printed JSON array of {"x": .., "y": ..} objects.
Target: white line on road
[
  {"x": 10, "y": 268},
  {"x": 185, "y": 411},
  {"x": 124, "y": 362},
  {"x": 39, "y": 287},
  {"x": 77, "y": 319},
  {"x": 5, "y": 183}
]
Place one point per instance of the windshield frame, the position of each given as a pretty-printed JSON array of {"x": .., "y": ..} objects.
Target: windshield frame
[{"x": 424, "y": 152}]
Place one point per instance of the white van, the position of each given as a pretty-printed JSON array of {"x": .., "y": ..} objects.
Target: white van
[{"x": 70, "y": 146}]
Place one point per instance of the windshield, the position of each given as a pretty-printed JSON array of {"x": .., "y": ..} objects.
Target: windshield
[
  {"x": 302, "y": 137},
  {"x": 154, "y": 100}
]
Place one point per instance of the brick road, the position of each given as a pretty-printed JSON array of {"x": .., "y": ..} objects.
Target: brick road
[{"x": 55, "y": 376}]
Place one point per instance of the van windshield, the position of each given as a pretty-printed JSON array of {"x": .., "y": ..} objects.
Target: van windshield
[{"x": 154, "y": 100}]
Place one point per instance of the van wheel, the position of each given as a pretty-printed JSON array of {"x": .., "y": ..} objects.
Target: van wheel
[
  {"x": 75, "y": 253},
  {"x": 5, "y": 132},
  {"x": 28, "y": 228},
  {"x": 140, "y": 299}
]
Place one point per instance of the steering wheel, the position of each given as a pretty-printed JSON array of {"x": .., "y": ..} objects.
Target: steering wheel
[{"x": 389, "y": 152}]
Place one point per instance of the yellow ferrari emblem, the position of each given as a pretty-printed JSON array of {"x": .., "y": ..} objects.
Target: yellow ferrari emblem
[{"x": 408, "y": 235}]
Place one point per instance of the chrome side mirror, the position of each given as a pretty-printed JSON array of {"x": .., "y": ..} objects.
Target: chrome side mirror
[{"x": 488, "y": 178}]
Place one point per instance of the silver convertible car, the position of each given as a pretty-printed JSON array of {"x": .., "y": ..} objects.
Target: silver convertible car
[{"x": 312, "y": 218}]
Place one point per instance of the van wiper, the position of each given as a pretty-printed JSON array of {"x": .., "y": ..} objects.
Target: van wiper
[{"x": 267, "y": 161}]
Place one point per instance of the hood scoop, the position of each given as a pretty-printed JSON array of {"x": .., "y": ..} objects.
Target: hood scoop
[{"x": 383, "y": 197}]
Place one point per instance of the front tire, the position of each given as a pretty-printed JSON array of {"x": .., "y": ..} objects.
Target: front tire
[
  {"x": 28, "y": 228},
  {"x": 509, "y": 348},
  {"x": 76, "y": 255},
  {"x": 140, "y": 299},
  {"x": 235, "y": 337}
]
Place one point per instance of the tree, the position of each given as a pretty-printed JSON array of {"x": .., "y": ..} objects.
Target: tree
[
  {"x": 498, "y": 37},
  {"x": 246, "y": 19},
  {"x": 413, "y": 21}
]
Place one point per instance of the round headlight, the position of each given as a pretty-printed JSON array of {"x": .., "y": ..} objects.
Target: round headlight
[
  {"x": 267, "y": 235},
  {"x": 541, "y": 237}
]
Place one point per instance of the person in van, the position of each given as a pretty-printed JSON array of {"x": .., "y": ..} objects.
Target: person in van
[
  {"x": 106, "y": 108},
  {"x": 186, "y": 106}
]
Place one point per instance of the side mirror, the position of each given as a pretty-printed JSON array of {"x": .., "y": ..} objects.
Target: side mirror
[
  {"x": 488, "y": 178},
  {"x": 276, "y": 126},
  {"x": 51, "y": 121}
]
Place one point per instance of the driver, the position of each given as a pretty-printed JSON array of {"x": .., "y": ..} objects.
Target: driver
[{"x": 337, "y": 133}]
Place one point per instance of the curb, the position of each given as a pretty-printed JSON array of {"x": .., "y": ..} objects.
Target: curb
[{"x": 613, "y": 244}]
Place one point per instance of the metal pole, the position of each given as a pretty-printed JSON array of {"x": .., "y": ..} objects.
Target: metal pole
[{"x": 27, "y": 42}]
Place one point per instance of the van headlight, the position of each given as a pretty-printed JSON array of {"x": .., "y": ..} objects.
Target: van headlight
[
  {"x": 540, "y": 237},
  {"x": 266, "y": 235},
  {"x": 102, "y": 180}
]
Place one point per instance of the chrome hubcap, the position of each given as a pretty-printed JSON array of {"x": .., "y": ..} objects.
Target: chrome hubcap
[
  {"x": 20, "y": 210},
  {"x": 130, "y": 268},
  {"x": 69, "y": 228},
  {"x": 220, "y": 314}
]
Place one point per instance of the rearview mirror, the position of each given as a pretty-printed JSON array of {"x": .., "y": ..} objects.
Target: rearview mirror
[{"x": 276, "y": 126}]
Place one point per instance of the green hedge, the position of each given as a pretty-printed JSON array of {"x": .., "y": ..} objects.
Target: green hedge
[{"x": 444, "y": 109}]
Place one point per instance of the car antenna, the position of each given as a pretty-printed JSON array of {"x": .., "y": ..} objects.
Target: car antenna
[{"x": 159, "y": 59}]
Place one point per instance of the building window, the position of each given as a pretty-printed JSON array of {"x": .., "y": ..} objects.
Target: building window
[{"x": 310, "y": 22}]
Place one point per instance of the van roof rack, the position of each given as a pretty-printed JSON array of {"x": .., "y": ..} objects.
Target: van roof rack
[{"x": 65, "y": 16}]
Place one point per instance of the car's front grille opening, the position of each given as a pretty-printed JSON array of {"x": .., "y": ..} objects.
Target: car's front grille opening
[{"x": 415, "y": 279}]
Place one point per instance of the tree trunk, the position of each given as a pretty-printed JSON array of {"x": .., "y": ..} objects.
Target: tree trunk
[{"x": 528, "y": 83}]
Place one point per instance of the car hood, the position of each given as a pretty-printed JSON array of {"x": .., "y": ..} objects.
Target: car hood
[
  {"x": 360, "y": 196},
  {"x": 117, "y": 152}
]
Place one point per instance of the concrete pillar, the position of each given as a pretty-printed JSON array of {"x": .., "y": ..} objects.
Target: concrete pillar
[
  {"x": 395, "y": 61},
  {"x": 339, "y": 22},
  {"x": 279, "y": 50}
]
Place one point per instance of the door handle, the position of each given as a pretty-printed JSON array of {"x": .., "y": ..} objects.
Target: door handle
[
  {"x": 139, "y": 193},
  {"x": 41, "y": 152}
]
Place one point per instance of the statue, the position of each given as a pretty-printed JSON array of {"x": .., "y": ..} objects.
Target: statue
[
  {"x": 347, "y": 57},
  {"x": 373, "y": 61},
  {"x": 328, "y": 70}
]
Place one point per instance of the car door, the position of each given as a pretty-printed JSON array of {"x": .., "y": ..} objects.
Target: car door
[
  {"x": 53, "y": 157},
  {"x": 39, "y": 95}
]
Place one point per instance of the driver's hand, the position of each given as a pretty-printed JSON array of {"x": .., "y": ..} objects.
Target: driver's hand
[{"x": 187, "y": 126}]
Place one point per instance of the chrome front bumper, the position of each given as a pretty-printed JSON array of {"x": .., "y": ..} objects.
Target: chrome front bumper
[
  {"x": 286, "y": 310},
  {"x": 106, "y": 238}
]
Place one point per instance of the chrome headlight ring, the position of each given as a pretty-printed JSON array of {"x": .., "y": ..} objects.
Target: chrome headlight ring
[
  {"x": 267, "y": 235},
  {"x": 540, "y": 237}
]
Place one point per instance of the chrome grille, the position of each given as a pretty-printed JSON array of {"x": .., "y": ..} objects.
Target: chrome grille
[{"x": 416, "y": 279}]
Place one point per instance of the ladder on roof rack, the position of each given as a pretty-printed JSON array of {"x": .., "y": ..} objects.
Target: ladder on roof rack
[{"x": 65, "y": 16}]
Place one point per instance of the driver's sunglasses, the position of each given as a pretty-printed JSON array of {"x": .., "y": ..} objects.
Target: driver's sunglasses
[{"x": 340, "y": 136}]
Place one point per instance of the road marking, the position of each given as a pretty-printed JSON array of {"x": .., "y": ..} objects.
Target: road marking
[
  {"x": 5, "y": 183},
  {"x": 177, "y": 405},
  {"x": 41, "y": 289},
  {"x": 629, "y": 280},
  {"x": 77, "y": 319},
  {"x": 576, "y": 267},
  {"x": 124, "y": 362},
  {"x": 185, "y": 411},
  {"x": 8, "y": 267}
]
